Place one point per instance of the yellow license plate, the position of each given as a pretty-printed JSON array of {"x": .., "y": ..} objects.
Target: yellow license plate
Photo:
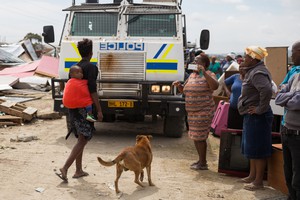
[{"x": 120, "y": 104}]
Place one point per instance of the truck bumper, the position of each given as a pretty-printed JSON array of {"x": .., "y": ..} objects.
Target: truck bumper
[{"x": 170, "y": 108}]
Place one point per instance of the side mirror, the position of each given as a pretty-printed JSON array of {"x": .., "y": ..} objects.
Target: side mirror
[
  {"x": 204, "y": 39},
  {"x": 48, "y": 34}
]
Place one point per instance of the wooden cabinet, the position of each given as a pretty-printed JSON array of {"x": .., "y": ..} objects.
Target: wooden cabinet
[{"x": 275, "y": 170}]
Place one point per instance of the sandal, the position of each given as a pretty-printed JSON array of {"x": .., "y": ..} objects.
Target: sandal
[
  {"x": 65, "y": 179},
  {"x": 199, "y": 167},
  {"x": 62, "y": 175},
  {"x": 244, "y": 180},
  {"x": 80, "y": 175},
  {"x": 252, "y": 187},
  {"x": 195, "y": 163}
]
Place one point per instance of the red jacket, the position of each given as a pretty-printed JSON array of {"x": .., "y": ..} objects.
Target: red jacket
[{"x": 76, "y": 94}]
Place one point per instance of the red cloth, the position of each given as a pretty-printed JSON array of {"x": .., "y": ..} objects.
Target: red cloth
[{"x": 76, "y": 94}]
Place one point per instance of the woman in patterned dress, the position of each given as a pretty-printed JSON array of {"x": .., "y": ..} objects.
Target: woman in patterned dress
[{"x": 199, "y": 105}]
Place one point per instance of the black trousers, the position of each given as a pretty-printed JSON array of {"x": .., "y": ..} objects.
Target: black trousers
[{"x": 291, "y": 158}]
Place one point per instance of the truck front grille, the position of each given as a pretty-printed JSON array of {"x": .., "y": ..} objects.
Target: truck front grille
[{"x": 121, "y": 66}]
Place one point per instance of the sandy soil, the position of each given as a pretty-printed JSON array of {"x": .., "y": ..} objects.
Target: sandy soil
[{"x": 27, "y": 168}]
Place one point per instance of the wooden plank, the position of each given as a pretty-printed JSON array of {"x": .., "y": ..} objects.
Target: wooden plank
[
  {"x": 8, "y": 117},
  {"x": 19, "y": 106},
  {"x": 10, "y": 111},
  {"x": 8, "y": 104},
  {"x": 26, "y": 117},
  {"x": 8, "y": 123},
  {"x": 10, "y": 120},
  {"x": 30, "y": 110},
  {"x": 276, "y": 177},
  {"x": 17, "y": 109},
  {"x": 277, "y": 146}
]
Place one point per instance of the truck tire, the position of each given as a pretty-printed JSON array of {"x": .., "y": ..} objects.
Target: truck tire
[
  {"x": 174, "y": 126},
  {"x": 135, "y": 118},
  {"x": 109, "y": 117},
  {"x": 140, "y": 118}
]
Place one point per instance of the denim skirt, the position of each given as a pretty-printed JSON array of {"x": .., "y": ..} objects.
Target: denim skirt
[{"x": 257, "y": 135}]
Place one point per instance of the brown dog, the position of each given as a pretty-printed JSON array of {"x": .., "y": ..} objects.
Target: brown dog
[{"x": 135, "y": 159}]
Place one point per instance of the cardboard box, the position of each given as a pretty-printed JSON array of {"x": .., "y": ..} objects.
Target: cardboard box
[
  {"x": 276, "y": 177},
  {"x": 219, "y": 98}
]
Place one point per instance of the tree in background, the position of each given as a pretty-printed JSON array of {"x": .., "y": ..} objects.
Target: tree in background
[
  {"x": 33, "y": 37},
  {"x": 35, "y": 40}
]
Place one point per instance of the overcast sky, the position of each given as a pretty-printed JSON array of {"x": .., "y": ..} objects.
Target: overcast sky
[{"x": 233, "y": 24}]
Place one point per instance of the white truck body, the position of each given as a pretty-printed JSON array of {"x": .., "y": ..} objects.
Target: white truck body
[{"x": 139, "y": 51}]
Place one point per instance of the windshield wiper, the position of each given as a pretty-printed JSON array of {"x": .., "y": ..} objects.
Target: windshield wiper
[{"x": 133, "y": 19}]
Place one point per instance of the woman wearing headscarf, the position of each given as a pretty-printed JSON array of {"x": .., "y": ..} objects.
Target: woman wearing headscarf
[{"x": 254, "y": 105}]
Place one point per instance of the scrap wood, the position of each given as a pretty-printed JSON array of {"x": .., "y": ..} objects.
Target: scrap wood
[
  {"x": 8, "y": 80},
  {"x": 7, "y": 123},
  {"x": 28, "y": 93},
  {"x": 10, "y": 120},
  {"x": 17, "y": 109},
  {"x": 20, "y": 98},
  {"x": 24, "y": 138},
  {"x": 48, "y": 66},
  {"x": 27, "y": 67}
]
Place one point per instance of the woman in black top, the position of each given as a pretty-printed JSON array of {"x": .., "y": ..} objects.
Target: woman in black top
[{"x": 82, "y": 128}]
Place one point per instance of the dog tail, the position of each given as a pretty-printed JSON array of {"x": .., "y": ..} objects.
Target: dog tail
[{"x": 111, "y": 163}]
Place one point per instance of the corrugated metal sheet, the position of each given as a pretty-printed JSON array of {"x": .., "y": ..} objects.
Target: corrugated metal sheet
[
  {"x": 14, "y": 49},
  {"x": 6, "y": 57}
]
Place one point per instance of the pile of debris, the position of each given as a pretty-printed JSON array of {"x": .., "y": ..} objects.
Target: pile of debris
[
  {"x": 12, "y": 113},
  {"x": 25, "y": 65},
  {"x": 33, "y": 75},
  {"x": 23, "y": 69},
  {"x": 23, "y": 105}
]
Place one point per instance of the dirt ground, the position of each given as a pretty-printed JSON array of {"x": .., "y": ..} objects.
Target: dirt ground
[{"x": 27, "y": 168}]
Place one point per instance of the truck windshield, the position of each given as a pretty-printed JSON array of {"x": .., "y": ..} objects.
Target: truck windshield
[
  {"x": 94, "y": 24},
  {"x": 152, "y": 25}
]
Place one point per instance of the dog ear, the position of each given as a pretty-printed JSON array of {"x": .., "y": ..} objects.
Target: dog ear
[
  {"x": 149, "y": 137},
  {"x": 138, "y": 137}
]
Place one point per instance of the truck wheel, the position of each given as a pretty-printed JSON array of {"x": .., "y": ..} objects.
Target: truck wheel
[
  {"x": 140, "y": 118},
  {"x": 135, "y": 118},
  {"x": 109, "y": 117},
  {"x": 174, "y": 126}
]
